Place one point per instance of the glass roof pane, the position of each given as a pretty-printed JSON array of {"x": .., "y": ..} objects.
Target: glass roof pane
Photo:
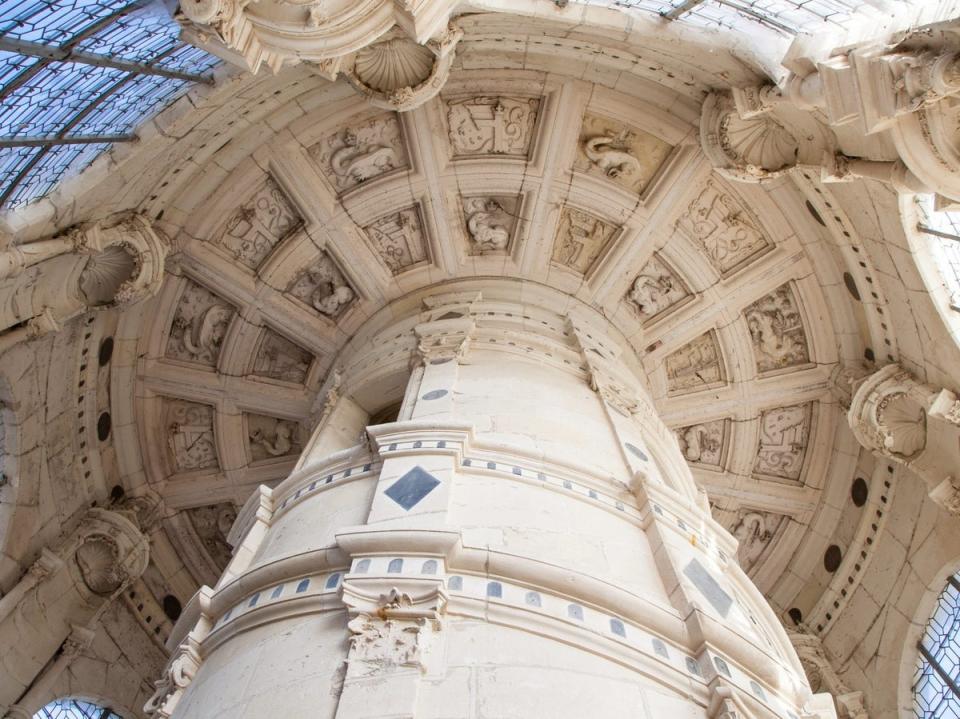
[
  {"x": 46, "y": 103},
  {"x": 53, "y": 22},
  {"x": 933, "y": 696},
  {"x": 135, "y": 100},
  {"x": 12, "y": 65},
  {"x": 138, "y": 37},
  {"x": 12, "y": 162},
  {"x": 52, "y": 166},
  {"x": 187, "y": 58}
]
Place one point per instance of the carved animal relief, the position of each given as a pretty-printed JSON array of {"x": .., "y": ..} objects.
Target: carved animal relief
[
  {"x": 190, "y": 436},
  {"x": 490, "y": 222},
  {"x": 784, "y": 433},
  {"x": 697, "y": 365},
  {"x": 624, "y": 155},
  {"x": 364, "y": 150},
  {"x": 492, "y": 125},
  {"x": 581, "y": 239},
  {"x": 261, "y": 222},
  {"x": 399, "y": 240},
  {"x": 776, "y": 330},
  {"x": 323, "y": 287},
  {"x": 724, "y": 229},
  {"x": 199, "y": 326},
  {"x": 704, "y": 443},
  {"x": 656, "y": 289},
  {"x": 754, "y": 530},
  {"x": 272, "y": 437},
  {"x": 212, "y": 525},
  {"x": 279, "y": 358}
]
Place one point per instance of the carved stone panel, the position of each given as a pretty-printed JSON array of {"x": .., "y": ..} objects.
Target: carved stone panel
[
  {"x": 362, "y": 151},
  {"x": 697, "y": 365},
  {"x": 271, "y": 437},
  {"x": 199, "y": 325},
  {"x": 279, "y": 358},
  {"x": 776, "y": 329},
  {"x": 617, "y": 152},
  {"x": 581, "y": 239},
  {"x": 399, "y": 239},
  {"x": 784, "y": 433},
  {"x": 656, "y": 289},
  {"x": 755, "y": 530},
  {"x": 492, "y": 125},
  {"x": 256, "y": 227},
  {"x": 212, "y": 525},
  {"x": 490, "y": 223},
  {"x": 323, "y": 287},
  {"x": 190, "y": 438},
  {"x": 705, "y": 443},
  {"x": 723, "y": 229}
]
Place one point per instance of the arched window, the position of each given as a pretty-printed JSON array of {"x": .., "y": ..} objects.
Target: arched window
[
  {"x": 75, "y": 709},
  {"x": 943, "y": 230},
  {"x": 935, "y": 686}
]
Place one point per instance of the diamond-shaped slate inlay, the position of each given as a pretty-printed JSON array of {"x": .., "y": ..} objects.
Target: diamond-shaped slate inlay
[
  {"x": 412, "y": 487},
  {"x": 708, "y": 586}
]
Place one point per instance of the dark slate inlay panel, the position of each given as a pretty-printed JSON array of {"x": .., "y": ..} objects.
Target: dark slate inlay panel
[
  {"x": 435, "y": 394},
  {"x": 637, "y": 452},
  {"x": 412, "y": 487},
  {"x": 708, "y": 586}
]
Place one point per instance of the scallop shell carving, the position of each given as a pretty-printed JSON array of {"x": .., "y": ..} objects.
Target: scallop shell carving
[
  {"x": 902, "y": 425},
  {"x": 98, "y": 559},
  {"x": 393, "y": 64},
  {"x": 106, "y": 274}
]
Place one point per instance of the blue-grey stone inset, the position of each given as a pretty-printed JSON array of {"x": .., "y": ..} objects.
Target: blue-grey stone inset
[
  {"x": 639, "y": 453},
  {"x": 435, "y": 394},
  {"x": 708, "y": 586},
  {"x": 412, "y": 487}
]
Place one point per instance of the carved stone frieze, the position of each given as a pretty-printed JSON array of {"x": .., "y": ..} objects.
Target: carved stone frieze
[
  {"x": 656, "y": 289},
  {"x": 582, "y": 238},
  {"x": 279, "y": 358},
  {"x": 380, "y": 645},
  {"x": 776, "y": 329},
  {"x": 259, "y": 224},
  {"x": 199, "y": 326},
  {"x": 617, "y": 152},
  {"x": 364, "y": 150},
  {"x": 323, "y": 287},
  {"x": 697, "y": 365},
  {"x": 399, "y": 238},
  {"x": 490, "y": 222},
  {"x": 784, "y": 434},
  {"x": 492, "y": 125},
  {"x": 271, "y": 437},
  {"x": 705, "y": 443},
  {"x": 723, "y": 229},
  {"x": 190, "y": 437},
  {"x": 212, "y": 525},
  {"x": 754, "y": 531}
]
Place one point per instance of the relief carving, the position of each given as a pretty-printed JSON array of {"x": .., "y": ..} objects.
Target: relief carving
[
  {"x": 170, "y": 688},
  {"x": 261, "y": 222},
  {"x": 492, "y": 125},
  {"x": 581, "y": 239},
  {"x": 279, "y": 358},
  {"x": 323, "y": 287},
  {"x": 704, "y": 443},
  {"x": 656, "y": 289},
  {"x": 399, "y": 239},
  {"x": 190, "y": 435},
  {"x": 776, "y": 329},
  {"x": 695, "y": 366},
  {"x": 784, "y": 433},
  {"x": 199, "y": 326},
  {"x": 490, "y": 222},
  {"x": 272, "y": 437},
  {"x": 753, "y": 531},
  {"x": 362, "y": 151},
  {"x": 212, "y": 525},
  {"x": 98, "y": 558},
  {"x": 625, "y": 155},
  {"x": 723, "y": 229}
]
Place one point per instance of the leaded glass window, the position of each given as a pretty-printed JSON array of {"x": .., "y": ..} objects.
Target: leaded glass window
[
  {"x": 943, "y": 231},
  {"x": 936, "y": 694},
  {"x": 75, "y": 709}
]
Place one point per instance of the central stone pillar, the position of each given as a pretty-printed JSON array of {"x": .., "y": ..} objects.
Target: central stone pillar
[{"x": 525, "y": 541}]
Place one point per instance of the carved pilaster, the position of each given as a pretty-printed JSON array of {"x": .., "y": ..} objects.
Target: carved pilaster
[{"x": 824, "y": 678}]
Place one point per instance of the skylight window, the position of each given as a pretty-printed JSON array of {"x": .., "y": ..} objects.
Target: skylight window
[
  {"x": 936, "y": 693},
  {"x": 78, "y": 75}
]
